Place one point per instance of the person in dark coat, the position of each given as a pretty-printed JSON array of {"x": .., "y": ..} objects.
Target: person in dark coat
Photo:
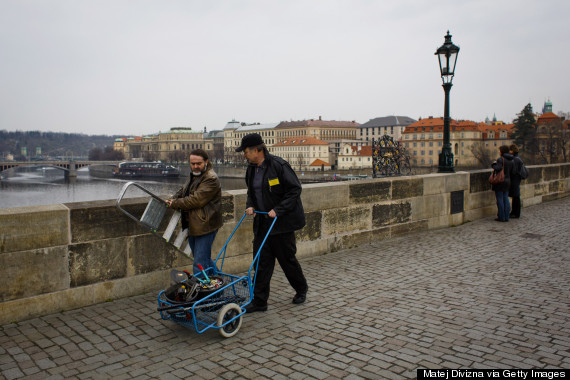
[
  {"x": 273, "y": 187},
  {"x": 515, "y": 189},
  {"x": 502, "y": 189}
]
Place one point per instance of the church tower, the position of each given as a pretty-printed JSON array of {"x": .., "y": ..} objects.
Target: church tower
[{"x": 547, "y": 106}]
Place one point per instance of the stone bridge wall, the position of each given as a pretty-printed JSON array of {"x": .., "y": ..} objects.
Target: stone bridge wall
[{"x": 65, "y": 256}]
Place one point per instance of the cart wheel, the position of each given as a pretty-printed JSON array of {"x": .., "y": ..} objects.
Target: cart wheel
[{"x": 228, "y": 312}]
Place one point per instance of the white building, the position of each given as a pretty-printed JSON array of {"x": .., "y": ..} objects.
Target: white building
[
  {"x": 303, "y": 152},
  {"x": 380, "y": 126},
  {"x": 355, "y": 157}
]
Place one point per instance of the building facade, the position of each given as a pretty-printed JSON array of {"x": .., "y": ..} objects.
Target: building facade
[
  {"x": 380, "y": 126},
  {"x": 424, "y": 140},
  {"x": 355, "y": 157},
  {"x": 173, "y": 145},
  {"x": 303, "y": 153}
]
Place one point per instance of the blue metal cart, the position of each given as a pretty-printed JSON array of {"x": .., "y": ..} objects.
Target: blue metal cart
[
  {"x": 220, "y": 308},
  {"x": 212, "y": 299}
]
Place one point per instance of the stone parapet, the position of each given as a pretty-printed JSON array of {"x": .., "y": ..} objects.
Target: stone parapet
[{"x": 61, "y": 257}]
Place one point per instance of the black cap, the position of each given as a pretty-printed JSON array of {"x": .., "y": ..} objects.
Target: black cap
[{"x": 249, "y": 140}]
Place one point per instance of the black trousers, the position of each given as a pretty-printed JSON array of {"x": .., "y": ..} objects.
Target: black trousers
[
  {"x": 516, "y": 207},
  {"x": 282, "y": 247}
]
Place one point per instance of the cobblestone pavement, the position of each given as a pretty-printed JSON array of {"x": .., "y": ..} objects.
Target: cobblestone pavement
[{"x": 481, "y": 295}]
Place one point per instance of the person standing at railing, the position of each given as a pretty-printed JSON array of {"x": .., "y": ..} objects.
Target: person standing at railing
[
  {"x": 200, "y": 201},
  {"x": 273, "y": 187}
]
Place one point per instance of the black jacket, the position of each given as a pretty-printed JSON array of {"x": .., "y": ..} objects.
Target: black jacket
[
  {"x": 281, "y": 191},
  {"x": 515, "y": 189},
  {"x": 505, "y": 160}
]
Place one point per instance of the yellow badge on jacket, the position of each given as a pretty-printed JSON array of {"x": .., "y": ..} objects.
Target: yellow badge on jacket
[{"x": 273, "y": 182}]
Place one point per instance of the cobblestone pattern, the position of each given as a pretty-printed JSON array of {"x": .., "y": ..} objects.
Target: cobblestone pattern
[{"x": 481, "y": 295}]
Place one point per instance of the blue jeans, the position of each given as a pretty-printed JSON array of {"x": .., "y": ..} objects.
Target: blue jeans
[
  {"x": 201, "y": 247},
  {"x": 503, "y": 205}
]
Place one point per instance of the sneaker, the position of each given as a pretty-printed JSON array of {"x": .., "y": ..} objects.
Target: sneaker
[{"x": 252, "y": 308}]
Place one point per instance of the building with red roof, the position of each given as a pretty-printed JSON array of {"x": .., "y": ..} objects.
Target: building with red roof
[
  {"x": 355, "y": 157},
  {"x": 424, "y": 140},
  {"x": 302, "y": 152}
]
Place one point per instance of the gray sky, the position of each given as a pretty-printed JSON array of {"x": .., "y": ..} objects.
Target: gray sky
[{"x": 139, "y": 67}]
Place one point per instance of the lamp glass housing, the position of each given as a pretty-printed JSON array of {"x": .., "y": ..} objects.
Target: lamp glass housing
[{"x": 447, "y": 55}]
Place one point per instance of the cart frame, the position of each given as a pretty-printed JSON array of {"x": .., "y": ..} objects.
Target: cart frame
[{"x": 211, "y": 311}]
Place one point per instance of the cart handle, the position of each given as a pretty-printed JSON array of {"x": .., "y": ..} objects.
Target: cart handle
[{"x": 256, "y": 257}]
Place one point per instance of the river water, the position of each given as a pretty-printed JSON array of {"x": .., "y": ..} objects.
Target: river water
[{"x": 43, "y": 186}]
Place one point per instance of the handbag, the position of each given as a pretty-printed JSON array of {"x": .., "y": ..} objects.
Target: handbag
[{"x": 497, "y": 178}]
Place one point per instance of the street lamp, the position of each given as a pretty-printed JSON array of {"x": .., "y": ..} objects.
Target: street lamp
[{"x": 447, "y": 55}]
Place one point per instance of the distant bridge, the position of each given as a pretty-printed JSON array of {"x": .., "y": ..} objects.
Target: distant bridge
[{"x": 69, "y": 167}]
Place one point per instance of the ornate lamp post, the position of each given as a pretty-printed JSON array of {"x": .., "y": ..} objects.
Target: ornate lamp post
[{"x": 447, "y": 55}]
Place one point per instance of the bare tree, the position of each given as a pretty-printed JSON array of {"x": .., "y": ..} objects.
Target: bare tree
[
  {"x": 482, "y": 154},
  {"x": 149, "y": 156}
]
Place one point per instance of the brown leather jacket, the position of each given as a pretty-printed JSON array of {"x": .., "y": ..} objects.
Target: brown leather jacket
[{"x": 200, "y": 201}]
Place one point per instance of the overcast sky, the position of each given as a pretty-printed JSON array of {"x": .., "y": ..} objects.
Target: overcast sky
[{"x": 140, "y": 67}]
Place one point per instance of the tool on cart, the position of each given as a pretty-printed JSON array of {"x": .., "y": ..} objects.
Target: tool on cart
[{"x": 152, "y": 217}]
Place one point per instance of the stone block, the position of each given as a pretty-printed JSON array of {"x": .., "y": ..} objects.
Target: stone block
[
  {"x": 474, "y": 201},
  {"x": 239, "y": 201},
  {"x": 313, "y": 247},
  {"x": 237, "y": 263},
  {"x": 29, "y": 273},
  {"x": 541, "y": 189},
  {"x": 531, "y": 201},
  {"x": 527, "y": 190},
  {"x": 565, "y": 171},
  {"x": 324, "y": 196},
  {"x": 241, "y": 241},
  {"x": 228, "y": 208},
  {"x": 127, "y": 287},
  {"x": 555, "y": 187},
  {"x": 32, "y": 307},
  {"x": 534, "y": 174},
  {"x": 434, "y": 184},
  {"x": 408, "y": 187},
  {"x": 550, "y": 172},
  {"x": 441, "y": 221},
  {"x": 365, "y": 237},
  {"x": 391, "y": 213},
  {"x": 457, "y": 182},
  {"x": 148, "y": 253},
  {"x": 369, "y": 191},
  {"x": 102, "y": 220},
  {"x": 552, "y": 197},
  {"x": 429, "y": 206},
  {"x": 350, "y": 219},
  {"x": 479, "y": 213},
  {"x": 406, "y": 228},
  {"x": 312, "y": 229},
  {"x": 456, "y": 219},
  {"x": 96, "y": 261},
  {"x": 24, "y": 228}
]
